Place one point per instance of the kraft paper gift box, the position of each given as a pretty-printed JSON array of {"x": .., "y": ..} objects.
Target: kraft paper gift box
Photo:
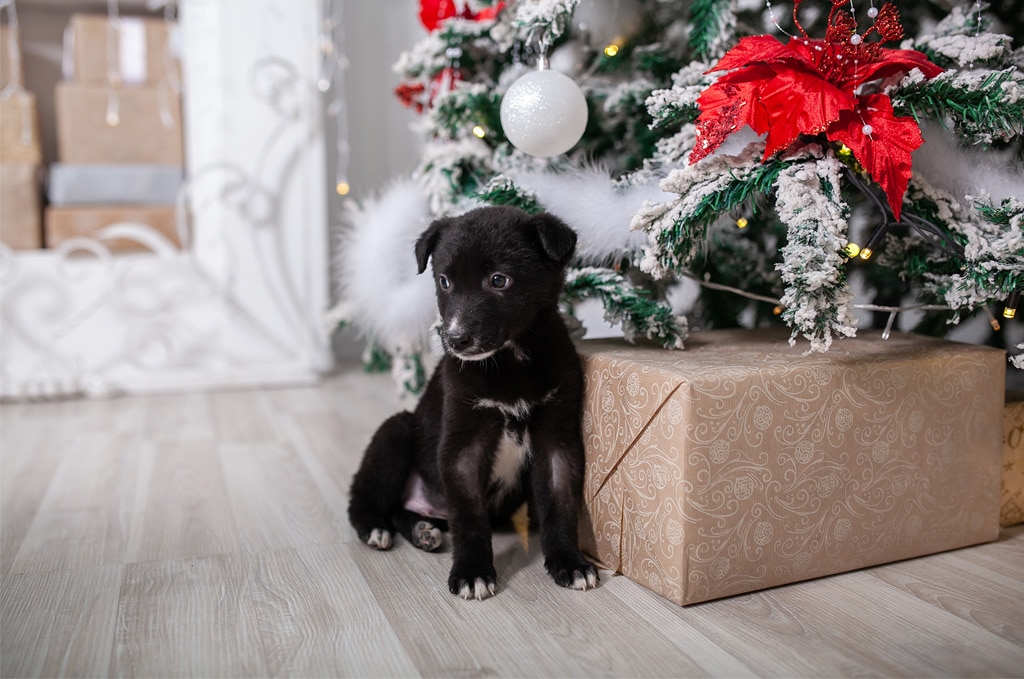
[
  {"x": 62, "y": 223},
  {"x": 20, "y": 206},
  {"x": 19, "y": 129},
  {"x": 1012, "y": 510},
  {"x": 104, "y": 184},
  {"x": 142, "y": 50},
  {"x": 741, "y": 463},
  {"x": 147, "y": 128},
  {"x": 10, "y": 69}
]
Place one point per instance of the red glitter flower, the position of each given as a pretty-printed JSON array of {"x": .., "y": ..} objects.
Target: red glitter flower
[{"x": 814, "y": 87}]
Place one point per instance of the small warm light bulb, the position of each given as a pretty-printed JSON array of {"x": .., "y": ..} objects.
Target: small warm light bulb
[
  {"x": 741, "y": 223},
  {"x": 852, "y": 250},
  {"x": 777, "y": 310},
  {"x": 994, "y": 322},
  {"x": 1010, "y": 308},
  {"x": 479, "y": 132},
  {"x": 611, "y": 50},
  {"x": 342, "y": 188},
  {"x": 866, "y": 253}
]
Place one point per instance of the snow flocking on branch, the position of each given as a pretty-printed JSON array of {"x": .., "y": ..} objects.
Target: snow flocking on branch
[{"x": 817, "y": 300}]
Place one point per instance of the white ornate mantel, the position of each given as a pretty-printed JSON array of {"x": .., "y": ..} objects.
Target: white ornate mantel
[{"x": 243, "y": 303}]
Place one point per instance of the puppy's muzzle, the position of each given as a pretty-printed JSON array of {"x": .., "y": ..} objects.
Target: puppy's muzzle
[{"x": 459, "y": 341}]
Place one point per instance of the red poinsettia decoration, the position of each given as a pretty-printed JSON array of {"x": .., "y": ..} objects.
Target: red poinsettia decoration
[
  {"x": 434, "y": 12},
  {"x": 812, "y": 87},
  {"x": 419, "y": 97}
]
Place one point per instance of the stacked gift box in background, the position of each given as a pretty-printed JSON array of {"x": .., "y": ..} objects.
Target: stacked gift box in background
[
  {"x": 119, "y": 134},
  {"x": 20, "y": 151}
]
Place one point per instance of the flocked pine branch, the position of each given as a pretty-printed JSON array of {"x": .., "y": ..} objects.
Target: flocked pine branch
[
  {"x": 677, "y": 105},
  {"x": 456, "y": 113},
  {"x": 503, "y": 191},
  {"x": 712, "y": 28},
  {"x": 993, "y": 266},
  {"x": 817, "y": 302},
  {"x": 982, "y": 107},
  {"x": 544, "y": 20},
  {"x": 989, "y": 265},
  {"x": 677, "y": 229},
  {"x": 639, "y": 313},
  {"x": 449, "y": 171}
]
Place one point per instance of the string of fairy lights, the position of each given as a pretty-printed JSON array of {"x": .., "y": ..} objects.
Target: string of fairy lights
[{"x": 331, "y": 83}]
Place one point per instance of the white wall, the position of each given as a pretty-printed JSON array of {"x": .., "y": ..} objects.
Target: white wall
[{"x": 383, "y": 147}]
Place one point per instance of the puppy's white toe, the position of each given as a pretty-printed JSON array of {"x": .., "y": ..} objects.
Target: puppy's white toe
[
  {"x": 584, "y": 581},
  {"x": 480, "y": 589},
  {"x": 379, "y": 538}
]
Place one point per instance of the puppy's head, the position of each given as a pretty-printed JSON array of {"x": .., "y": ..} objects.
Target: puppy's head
[{"x": 494, "y": 269}]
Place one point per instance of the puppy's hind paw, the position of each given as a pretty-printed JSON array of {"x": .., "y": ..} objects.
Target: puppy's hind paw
[
  {"x": 379, "y": 538},
  {"x": 426, "y": 536}
]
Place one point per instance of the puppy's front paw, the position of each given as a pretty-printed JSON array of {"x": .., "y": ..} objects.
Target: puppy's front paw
[
  {"x": 572, "y": 572},
  {"x": 379, "y": 538},
  {"x": 472, "y": 585}
]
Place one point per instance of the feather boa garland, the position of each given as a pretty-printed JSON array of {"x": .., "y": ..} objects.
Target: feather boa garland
[{"x": 377, "y": 283}]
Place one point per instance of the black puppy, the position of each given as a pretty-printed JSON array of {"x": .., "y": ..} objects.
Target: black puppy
[{"x": 499, "y": 421}]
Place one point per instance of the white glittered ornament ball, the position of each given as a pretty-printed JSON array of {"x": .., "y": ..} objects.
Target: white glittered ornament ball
[{"x": 544, "y": 113}]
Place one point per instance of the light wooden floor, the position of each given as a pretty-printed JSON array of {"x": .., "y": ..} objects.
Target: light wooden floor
[{"x": 204, "y": 535}]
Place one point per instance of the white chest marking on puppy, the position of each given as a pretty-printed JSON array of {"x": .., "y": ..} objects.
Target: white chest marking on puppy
[
  {"x": 517, "y": 409},
  {"x": 509, "y": 460}
]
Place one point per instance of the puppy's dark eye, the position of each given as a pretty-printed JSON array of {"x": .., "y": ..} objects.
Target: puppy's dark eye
[
  {"x": 443, "y": 281},
  {"x": 500, "y": 281}
]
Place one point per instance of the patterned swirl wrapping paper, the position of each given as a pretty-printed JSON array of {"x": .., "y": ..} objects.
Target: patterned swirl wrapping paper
[
  {"x": 742, "y": 463},
  {"x": 1012, "y": 511}
]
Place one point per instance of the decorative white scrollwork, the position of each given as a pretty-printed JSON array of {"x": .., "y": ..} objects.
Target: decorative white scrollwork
[{"x": 242, "y": 301}]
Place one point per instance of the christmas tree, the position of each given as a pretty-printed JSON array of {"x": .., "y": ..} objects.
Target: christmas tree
[{"x": 801, "y": 164}]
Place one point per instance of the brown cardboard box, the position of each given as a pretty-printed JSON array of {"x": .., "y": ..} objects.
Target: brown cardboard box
[
  {"x": 742, "y": 463},
  {"x": 63, "y": 223},
  {"x": 19, "y": 129},
  {"x": 142, "y": 50},
  {"x": 7, "y": 68},
  {"x": 1012, "y": 510},
  {"x": 84, "y": 135},
  {"x": 20, "y": 206}
]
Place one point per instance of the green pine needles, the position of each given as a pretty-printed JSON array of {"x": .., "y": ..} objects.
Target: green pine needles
[
  {"x": 640, "y": 314},
  {"x": 982, "y": 107}
]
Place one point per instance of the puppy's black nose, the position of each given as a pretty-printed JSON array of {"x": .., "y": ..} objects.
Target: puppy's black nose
[{"x": 459, "y": 341}]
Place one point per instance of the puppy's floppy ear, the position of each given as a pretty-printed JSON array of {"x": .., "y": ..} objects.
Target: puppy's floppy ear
[
  {"x": 557, "y": 240},
  {"x": 426, "y": 242}
]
